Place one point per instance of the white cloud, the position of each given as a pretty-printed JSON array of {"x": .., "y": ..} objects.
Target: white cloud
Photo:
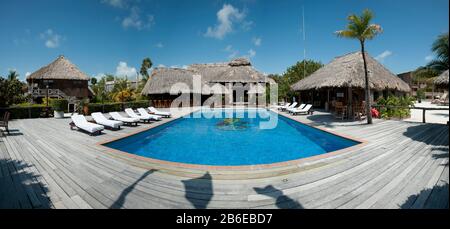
[
  {"x": 226, "y": 17},
  {"x": 134, "y": 20},
  {"x": 232, "y": 53},
  {"x": 123, "y": 70},
  {"x": 257, "y": 41},
  {"x": 99, "y": 75},
  {"x": 159, "y": 45},
  {"x": 429, "y": 58},
  {"x": 383, "y": 55},
  {"x": 161, "y": 66},
  {"x": 116, "y": 3},
  {"x": 247, "y": 25},
  {"x": 52, "y": 39},
  {"x": 185, "y": 67},
  {"x": 27, "y": 74},
  {"x": 251, "y": 53}
]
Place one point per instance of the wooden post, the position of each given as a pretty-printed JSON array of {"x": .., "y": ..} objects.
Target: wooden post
[
  {"x": 423, "y": 115},
  {"x": 349, "y": 105},
  {"x": 328, "y": 99}
]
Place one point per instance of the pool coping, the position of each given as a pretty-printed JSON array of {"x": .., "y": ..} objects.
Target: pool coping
[{"x": 295, "y": 162}]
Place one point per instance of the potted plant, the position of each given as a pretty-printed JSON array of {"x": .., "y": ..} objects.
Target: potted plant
[
  {"x": 420, "y": 95},
  {"x": 59, "y": 106}
]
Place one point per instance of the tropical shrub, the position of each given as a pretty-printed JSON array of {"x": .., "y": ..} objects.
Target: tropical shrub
[
  {"x": 59, "y": 104},
  {"x": 11, "y": 91},
  {"x": 111, "y": 107},
  {"x": 420, "y": 94},
  {"x": 395, "y": 107},
  {"x": 23, "y": 112}
]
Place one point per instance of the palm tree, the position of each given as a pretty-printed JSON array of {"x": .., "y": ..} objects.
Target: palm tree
[
  {"x": 146, "y": 65},
  {"x": 360, "y": 28},
  {"x": 440, "y": 48},
  {"x": 12, "y": 75}
]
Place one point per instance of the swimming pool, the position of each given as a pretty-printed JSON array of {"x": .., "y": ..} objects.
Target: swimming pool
[{"x": 224, "y": 137}]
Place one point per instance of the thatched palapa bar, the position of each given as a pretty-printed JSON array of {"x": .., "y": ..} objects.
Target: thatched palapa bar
[
  {"x": 342, "y": 82},
  {"x": 237, "y": 82},
  {"x": 442, "y": 80}
]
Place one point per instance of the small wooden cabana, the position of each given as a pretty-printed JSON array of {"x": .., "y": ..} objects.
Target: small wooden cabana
[{"x": 60, "y": 79}]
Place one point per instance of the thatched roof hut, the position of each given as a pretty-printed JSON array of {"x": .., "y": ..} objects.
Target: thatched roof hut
[
  {"x": 62, "y": 78},
  {"x": 348, "y": 71},
  {"x": 163, "y": 80},
  {"x": 60, "y": 69},
  {"x": 442, "y": 80}
]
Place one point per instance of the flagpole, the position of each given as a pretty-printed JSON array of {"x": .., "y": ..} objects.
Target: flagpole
[{"x": 304, "y": 42}]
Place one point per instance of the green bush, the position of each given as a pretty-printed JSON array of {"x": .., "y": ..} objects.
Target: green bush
[
  {"x": 137, "y": 104},
  {"x": 23, "y": 112},
  {"x": 395, "y": 107},
  {"x": 104, "y": 108},
  {"x": 420, "y": 94},
  {"x": 59, "y": 104}
]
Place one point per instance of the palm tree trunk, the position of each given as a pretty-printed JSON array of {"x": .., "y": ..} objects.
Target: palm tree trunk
[{"x": 367, "y": 88}]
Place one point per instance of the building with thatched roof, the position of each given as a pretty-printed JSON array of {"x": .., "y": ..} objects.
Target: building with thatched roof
[
  {"x": 237, "y": 82},
  {"x": 442, "y": 80},
  {"x": 59, "y": 79},
  {"x": 342, "y": 80}
]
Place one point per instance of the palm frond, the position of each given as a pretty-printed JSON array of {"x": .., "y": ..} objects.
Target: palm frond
[
  {"x": 438, "y": 65},
  {"x": 346, "y": 34},
  {"x": 372, "y": 31},
  {"x": 359, "y": 27}
]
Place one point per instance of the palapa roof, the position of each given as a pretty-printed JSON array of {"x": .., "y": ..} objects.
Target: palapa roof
[
  {"x": 348, "y": 71},
  {"x": 163, "y": 80},
  {"x": 61, "y": 68},
  {"x": 442, "y": 80}
]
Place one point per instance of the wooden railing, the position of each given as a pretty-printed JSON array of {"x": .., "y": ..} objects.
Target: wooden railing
[
  {"x": 37, "y": 92},
  {"x": 424, "y": 109}
]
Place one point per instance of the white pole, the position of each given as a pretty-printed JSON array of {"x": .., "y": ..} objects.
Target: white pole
[{"x": 304, "y": 43}]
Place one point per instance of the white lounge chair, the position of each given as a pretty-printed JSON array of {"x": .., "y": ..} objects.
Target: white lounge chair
[
  {"x": 284, "y": 106},
  {"x": 305, "y": 110},
  {"x": 132, "y": 114},
  {"x": 293, "y": 108},
  {"x": 81, "y": 123},
  {"x": 128, "y": 121},
  {"x": 160, "y": 113},
  {"x": 99, "y": 118},
  {"x": 144, "y": 113}
]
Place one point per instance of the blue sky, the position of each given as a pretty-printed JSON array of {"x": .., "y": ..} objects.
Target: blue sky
[{"x": 113, "y": 36}]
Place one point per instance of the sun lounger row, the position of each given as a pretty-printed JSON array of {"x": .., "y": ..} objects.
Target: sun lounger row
[
  {"x": 294, "y": 109},
  {"x": 117, "y": 120}
]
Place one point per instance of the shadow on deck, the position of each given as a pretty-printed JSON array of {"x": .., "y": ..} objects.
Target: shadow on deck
[{"x": 21, "y": 188}]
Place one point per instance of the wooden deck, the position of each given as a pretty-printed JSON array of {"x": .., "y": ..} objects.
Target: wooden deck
[{"x": 43, "y": 164}]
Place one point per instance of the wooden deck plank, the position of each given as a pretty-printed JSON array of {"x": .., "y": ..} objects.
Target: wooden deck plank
[{"x": 74, "y": 172}]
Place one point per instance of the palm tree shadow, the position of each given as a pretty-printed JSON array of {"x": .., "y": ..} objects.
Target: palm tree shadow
[
  {"x": 199, "y": 191},
  {"x": 21, "y": 188},
  {"x": 282, "y": 201},
  {"x": 437, "y": 198},
  {"x": 422, "y": 133},
  {"x": 121, "y": 200}
]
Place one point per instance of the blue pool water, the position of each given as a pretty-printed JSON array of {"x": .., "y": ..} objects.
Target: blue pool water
[{"x": 230, "y": 142}]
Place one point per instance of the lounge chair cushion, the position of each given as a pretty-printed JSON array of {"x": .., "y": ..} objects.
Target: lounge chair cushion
[
  {"x": 81, "y": 122},
  {"x": 144, "y": 113},
  {"x": 156, "y": 112},
  {"x": 118, "y": 117},
  {"x": 102, "y": 120}
]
